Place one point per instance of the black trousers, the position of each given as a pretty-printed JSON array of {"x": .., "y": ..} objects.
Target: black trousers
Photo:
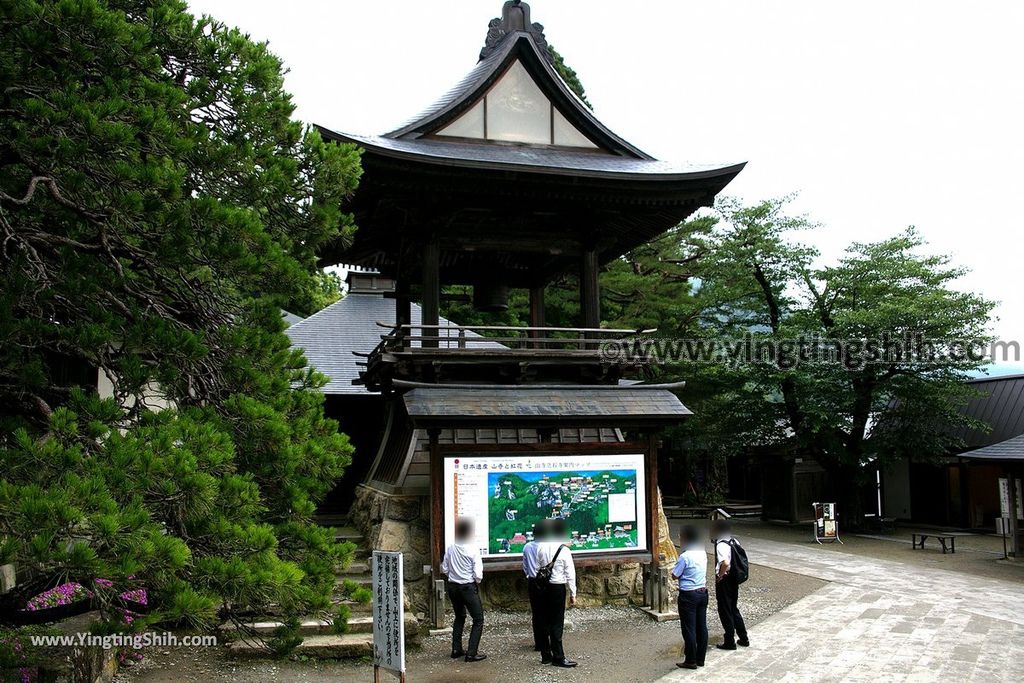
[
  {"x": 552, "y": 598},
  {"x": 465, "y": 597},
  {"x": 727, "y": 593},
  {"x": 536, "y": 614},
  {"x": 693, "y": 619}
]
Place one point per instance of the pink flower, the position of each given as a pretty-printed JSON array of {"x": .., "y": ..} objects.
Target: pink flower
[
  {"x": 138, "y": 595},
  {"x": 64, "y": 594}
]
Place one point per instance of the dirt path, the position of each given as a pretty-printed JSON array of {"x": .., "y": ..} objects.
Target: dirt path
[{"x": 618, "y": 645}]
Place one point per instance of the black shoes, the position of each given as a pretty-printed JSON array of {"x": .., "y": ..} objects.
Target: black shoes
[
  {"x": 475, "y": 658},
  {"x": 743, "y": 642},
  {"x": 545, "y": 659},
  {"x": 686, "y": 665},
  {"x": 456, "y": 655},
  {"x": 565, "y": 663},
  {"x": 726, "y": 646}
]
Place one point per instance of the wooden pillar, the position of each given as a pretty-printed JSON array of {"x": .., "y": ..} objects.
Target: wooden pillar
[
  {"x": 436, "y": 531},
  {"x": 403, "y": 306},
  {"x": 537, "y": 318},
  {"x": 431, "y": 291},
  {"x": 590, "y": 301},
  {"x": 651, "y": 474}
]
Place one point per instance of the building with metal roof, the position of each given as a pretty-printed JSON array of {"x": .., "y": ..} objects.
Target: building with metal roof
[{"x": 963, "y": 489}]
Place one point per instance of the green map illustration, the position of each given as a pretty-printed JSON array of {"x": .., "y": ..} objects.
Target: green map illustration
[{"x": 518, "y": 501}]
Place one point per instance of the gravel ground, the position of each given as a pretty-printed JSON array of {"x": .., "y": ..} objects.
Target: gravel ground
[
  {"x": 613, "y": 644},
  {"x": 617, "y": 645}
]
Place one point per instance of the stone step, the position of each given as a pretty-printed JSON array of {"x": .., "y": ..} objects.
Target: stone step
[
  {"x": 348, "y": 646},
  {"x": 364, "y": 580},
  {"x": 347, "y": 533},
  {"x": 331, "y": 520},
  {"x": 307, "y": 627},
  {"x": 358, "y": 623},
  {"x": 355, "y": 569},
  {"x": 355, "y": 607}
]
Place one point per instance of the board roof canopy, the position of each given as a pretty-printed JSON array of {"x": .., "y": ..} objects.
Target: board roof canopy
[{"x": 513, "y": 176}]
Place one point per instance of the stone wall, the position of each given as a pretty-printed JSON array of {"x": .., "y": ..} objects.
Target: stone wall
[
  {"x": 398, "y": 523},
  {"x": 402, "y": 523}
]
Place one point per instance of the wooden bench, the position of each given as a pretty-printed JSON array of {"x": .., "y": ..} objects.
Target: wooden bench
[{"x": 946, "y": 539}]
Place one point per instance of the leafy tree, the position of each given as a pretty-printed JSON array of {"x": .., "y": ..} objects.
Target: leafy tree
[
  {"x": 857, "y": 316},
  {"x": 158, "y": 206}
]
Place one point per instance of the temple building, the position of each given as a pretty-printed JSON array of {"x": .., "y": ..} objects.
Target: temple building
[{"x": 508, "y": 181}]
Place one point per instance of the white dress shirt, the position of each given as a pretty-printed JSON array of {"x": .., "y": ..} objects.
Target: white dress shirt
[
  {"x": 723, "y": 555},
  {"x": 564, "y": 570},
  {"x": 530, "y": 559},
  {"x": 462, "y": 563}
]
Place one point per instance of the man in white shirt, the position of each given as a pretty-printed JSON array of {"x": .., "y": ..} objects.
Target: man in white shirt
[
  {"x": 691, "y": 572},
  {"x": 530, "y": 569},
  {"x": 727, "y": 589},
  {"x": 465, "y": 570},
  {"x": 554, "y": 553}
]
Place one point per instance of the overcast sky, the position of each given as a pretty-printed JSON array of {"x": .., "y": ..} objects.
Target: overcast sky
[{"x": 880, "y": 114}]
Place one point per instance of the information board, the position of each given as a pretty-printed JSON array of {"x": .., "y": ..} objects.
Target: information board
[
  {"x": 602, "y": 499},
  {"x": 388, "y": 612}
]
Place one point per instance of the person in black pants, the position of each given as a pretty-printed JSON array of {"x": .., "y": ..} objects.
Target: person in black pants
[
  {"x": 555, "y": 555},
  {"x": 727, "y": 590},
  {"x": 464, "y": 569},
  {"x": 536, "y": 600},
  {"x": 691, "y": 572}
]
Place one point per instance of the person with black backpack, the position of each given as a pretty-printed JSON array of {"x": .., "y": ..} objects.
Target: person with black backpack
[
  {"x": 731, "y": 569},
  {"x": 556, "y": 576}
]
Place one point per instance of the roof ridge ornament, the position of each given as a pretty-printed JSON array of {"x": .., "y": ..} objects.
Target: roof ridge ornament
[{"x": 515, "y": 18}]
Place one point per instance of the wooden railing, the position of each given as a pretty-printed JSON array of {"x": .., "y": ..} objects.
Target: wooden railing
[{"x": 497, "y": 338}]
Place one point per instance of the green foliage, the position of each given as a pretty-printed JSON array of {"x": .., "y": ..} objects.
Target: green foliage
[
  {"x": 356, "y": 592},
  {"x": 340, "y": 624},
  {"x": 569, "y": 75},
  {"x": 756, "y": 281},
  {"x": 158, "y": 207}
]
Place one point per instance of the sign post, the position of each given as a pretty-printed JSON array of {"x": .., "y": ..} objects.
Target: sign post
[
  {"x": 1011, "y": 500},
  {"x": 826, "y": 523},
  {"x": 388, "y": 615}
]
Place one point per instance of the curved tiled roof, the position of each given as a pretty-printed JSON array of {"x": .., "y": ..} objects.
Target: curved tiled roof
[{"x": 551, "y": 160}]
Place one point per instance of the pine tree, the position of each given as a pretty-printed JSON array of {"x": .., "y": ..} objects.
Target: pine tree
[{"x": 158, "y": 207}]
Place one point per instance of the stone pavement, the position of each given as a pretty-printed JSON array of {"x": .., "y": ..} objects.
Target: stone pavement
[{"x": 877, "y": 621}]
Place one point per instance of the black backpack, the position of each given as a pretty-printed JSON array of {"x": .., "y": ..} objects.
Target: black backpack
[
  {"x": 739, "y": 568},
  {"x": 543, "y": 578}
]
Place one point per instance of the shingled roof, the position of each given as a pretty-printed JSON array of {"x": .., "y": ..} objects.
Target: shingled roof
[
  {"x": 544, "y": 160},
  {"x": 330, "y": 337},
  {"x": 558, "y": 405},
  {"x": 1004, "y": 451}
]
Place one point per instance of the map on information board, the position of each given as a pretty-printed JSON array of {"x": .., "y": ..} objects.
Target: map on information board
[{"x": 600, "y": 497}]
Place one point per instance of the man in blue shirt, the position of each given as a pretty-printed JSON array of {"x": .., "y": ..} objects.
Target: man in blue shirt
[
  {"x": 530, "y": 569},
  {"x": 691, "y": 571}
]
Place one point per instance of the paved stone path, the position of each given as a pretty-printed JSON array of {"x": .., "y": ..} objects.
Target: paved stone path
[{"x": 877, "y": 621}]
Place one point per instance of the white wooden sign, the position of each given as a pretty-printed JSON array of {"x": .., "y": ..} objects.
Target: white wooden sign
[
  {"x": 388, "y": 613},
  {"x": 1004, "y": 499}
]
